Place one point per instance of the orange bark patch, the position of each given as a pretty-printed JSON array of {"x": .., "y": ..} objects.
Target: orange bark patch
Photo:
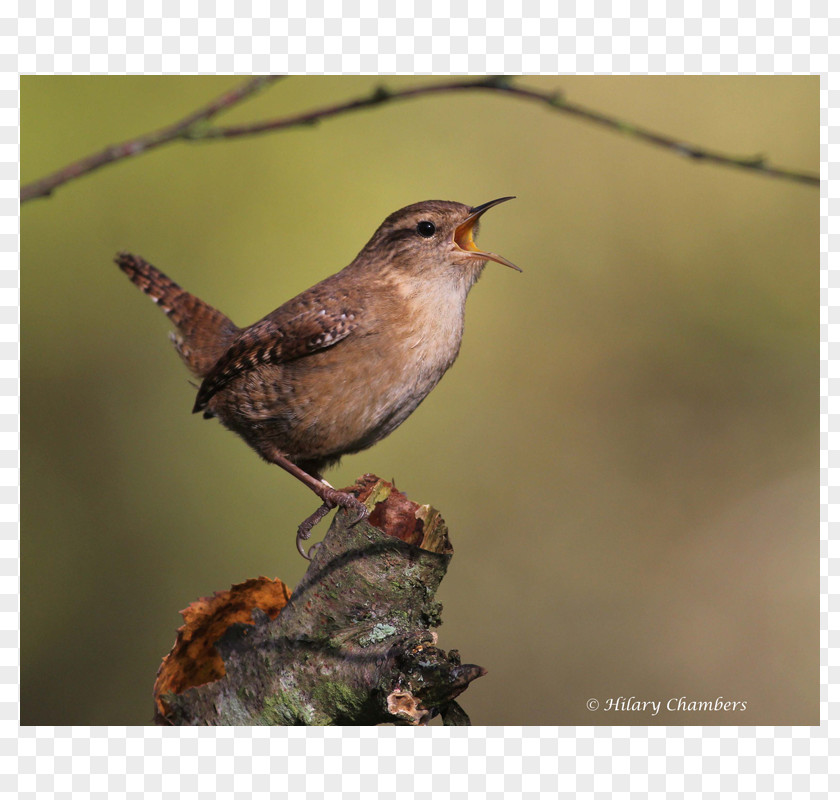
[{"x": 194, "y": 659}]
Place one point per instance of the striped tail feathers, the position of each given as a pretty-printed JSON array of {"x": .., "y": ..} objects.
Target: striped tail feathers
[{"x": 203, "y": 333}]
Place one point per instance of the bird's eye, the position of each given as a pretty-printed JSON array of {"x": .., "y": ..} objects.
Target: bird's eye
[{"x": 426, "y": 229}]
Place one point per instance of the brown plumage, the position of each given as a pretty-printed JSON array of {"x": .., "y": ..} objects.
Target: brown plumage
[
  {"x": 204, "y": 334},
  {"x": 341, "y": 365}
]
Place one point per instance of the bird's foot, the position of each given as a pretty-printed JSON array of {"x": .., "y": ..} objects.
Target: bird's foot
[{"x": 332, "y": 498}]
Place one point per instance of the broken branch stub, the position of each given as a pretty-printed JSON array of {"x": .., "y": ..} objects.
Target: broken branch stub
[{"x": 353, "y": 645}]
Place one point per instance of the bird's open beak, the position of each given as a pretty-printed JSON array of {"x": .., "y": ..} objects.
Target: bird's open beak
[{"x": 464, "y": 234}]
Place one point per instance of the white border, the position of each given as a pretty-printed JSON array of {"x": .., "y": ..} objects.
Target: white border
[{"x": 457, "y": 37}]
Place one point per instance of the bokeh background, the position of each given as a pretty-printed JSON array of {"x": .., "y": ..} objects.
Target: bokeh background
[{"x": 626, "y": 451}]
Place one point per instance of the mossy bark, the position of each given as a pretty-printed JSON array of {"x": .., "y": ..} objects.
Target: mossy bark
[{"x": 354, "y": 644}]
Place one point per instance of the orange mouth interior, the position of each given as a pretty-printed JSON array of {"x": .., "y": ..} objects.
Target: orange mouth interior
[{"x": 464, "y": 235}]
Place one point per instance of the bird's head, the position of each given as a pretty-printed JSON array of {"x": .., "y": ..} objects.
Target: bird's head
[{"x": 434, "y": 239}]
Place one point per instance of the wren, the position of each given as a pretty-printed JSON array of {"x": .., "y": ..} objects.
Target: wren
[{"x": 340, "y": 366}]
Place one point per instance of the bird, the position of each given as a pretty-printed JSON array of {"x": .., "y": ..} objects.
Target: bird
[{"x": 341, "y": 365}]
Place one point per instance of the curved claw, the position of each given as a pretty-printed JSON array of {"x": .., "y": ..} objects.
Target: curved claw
[
  {"x": 305, "y": 528},
  {"x": 362, "y": 511},
  {"x": 312, "y": 550}
]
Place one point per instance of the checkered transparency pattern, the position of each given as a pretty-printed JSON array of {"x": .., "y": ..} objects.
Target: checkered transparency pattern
[
  {"x": 460, "y": 36},
  {"x": 830, "y": 399},
  {"x": 583, "y": 762},
  {"x": 9, "y": 471}
]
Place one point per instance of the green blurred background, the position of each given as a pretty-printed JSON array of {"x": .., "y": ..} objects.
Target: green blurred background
[{"x": 626, "y": 451}]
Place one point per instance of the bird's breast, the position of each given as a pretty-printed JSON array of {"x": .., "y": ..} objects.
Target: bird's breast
[
  {"x": 428, "y": 332},
  {"x": 347, "y": 397},
  {"x": 392, "y": 365}
]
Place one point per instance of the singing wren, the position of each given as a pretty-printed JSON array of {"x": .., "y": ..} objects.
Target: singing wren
[{"x": 340, "y": 366}]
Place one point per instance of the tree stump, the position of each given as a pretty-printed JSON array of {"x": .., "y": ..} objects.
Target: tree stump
[{"x": 352, "y": 645}]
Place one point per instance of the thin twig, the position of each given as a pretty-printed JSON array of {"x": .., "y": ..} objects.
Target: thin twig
[
  {"x": 184, "y": 129},
  {"x": 196, "y": 128},
  {"x": 554, "y": 100}
]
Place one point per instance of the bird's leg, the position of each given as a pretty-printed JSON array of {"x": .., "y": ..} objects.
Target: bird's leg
[{"x": 330, "y": 497}]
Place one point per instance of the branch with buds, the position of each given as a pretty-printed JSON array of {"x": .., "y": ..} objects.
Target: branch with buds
[{"x": 198, "y": 127}]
